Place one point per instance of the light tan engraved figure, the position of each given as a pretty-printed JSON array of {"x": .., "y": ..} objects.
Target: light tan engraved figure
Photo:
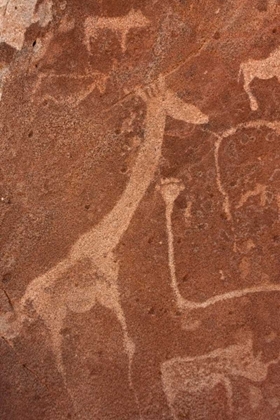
[
  {"x": 262, "y": 69},
  {"x": 170, "y": 190},
  {"x": 122, "y": 25},
  {"x": 98, "y": 244},
  {"x": 75, "y": 87},
  {"x": 196, "y": 375}
]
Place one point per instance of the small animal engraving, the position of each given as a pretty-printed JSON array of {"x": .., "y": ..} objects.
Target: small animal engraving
[
  {"x": 121, "y": 25},
  {"x": 196, "y": 375},
  {"x": 262, "y": 69}
]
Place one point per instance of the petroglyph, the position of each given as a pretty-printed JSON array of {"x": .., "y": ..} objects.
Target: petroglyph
[
  {"x": 272, "y": 125},
  {"x": 16, "y": 16},
  {"x": 97, "y": 246},
  {"x": 170, "y": 190},
  {"x": 67, "y": 23},
  {"x": 71, "y": 89},
  {"x": 188, "y": 214},
  {"x": 197, "y": 375},
  {"x": 258, "y": 190},
  {"x": 262, "y": 69},
  {"x": 226, "y": 202},
  {"x": 121, "y": 25}
]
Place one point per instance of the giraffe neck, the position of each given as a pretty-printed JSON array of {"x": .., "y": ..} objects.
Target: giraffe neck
[{"x": 116, "y": 222}]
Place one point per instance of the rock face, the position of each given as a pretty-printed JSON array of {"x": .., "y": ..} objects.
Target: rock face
[{"x": 140, "y": 209}]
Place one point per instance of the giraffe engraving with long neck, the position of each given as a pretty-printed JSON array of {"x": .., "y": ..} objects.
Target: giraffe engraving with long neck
[{"x": 97, "y": 246}]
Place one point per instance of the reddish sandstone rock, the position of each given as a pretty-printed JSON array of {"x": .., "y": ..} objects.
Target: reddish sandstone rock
[{"x": 140, "y": 209}]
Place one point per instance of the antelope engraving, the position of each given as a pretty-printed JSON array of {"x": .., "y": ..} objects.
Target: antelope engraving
[
  {"x": 97, "y": 246},
  {"x": 196, "y": 375},
  {"x": 262, "y": 69},
  {"x": 121, "y": 25}
]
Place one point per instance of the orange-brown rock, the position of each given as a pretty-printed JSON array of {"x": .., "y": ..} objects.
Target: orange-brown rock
[{"x": 140, "y": 209}]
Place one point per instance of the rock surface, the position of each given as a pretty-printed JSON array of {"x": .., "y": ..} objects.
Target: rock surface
[{"x": 140, "y": 209}]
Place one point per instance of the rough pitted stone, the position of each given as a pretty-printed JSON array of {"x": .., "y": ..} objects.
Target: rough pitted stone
[{"x": 140, "y": 209}]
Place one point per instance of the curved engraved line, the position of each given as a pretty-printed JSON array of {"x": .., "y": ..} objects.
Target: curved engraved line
[
  {"x": 275, "y": 125},
  {"x": 232, "y": 295}
]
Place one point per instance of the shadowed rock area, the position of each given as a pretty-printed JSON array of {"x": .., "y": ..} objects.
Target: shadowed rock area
[{"x": 140, "y": 209}]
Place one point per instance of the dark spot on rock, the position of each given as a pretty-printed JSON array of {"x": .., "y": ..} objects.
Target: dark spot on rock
[
  {"x": 87, "y": 206},
  {"x": 124, "y": 169},
  {"x": 151, "y": 311},
  {"x": 223, "y": 216},
  {"x": 6, "y": 277},
  {"x": 34, "y": 43},
  {"x": 65, "y": 331},
  {"x": 181, "y": 202},
  {"x": 185, "y": 278},
  {"x": 217, "y": 35},
  {"x": 30, "y": 134},
  {"x": 274, "y": 30},
  {"x": 150, "y": 240}
]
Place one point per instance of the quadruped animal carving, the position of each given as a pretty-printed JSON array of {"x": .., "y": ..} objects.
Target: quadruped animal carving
[
  {"x": 72, "y": 93},
  {"x": 262, "y": 69},
  {"x": 170, "y": 190},
  {"x": 97, "y": 246},
  {"x": 121, "y": 25},
  {"x": 196, "y": 375}
]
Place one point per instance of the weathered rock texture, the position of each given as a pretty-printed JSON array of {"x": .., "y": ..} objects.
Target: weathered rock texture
[{"x": 140, "y": 209}]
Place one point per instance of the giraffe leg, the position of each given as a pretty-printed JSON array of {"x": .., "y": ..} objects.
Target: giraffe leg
[
  {"x": 108, "y": 296},
  {"x": 168, "y": 389},
  {"x": 54, "y": 320}
]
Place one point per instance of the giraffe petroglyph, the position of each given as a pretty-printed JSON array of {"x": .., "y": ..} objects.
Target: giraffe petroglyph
[
  {"x": 121, "y": 25},
  {"x": 98, "y": 245},
  {"x": 197, "y": 375},
  {"x": 261, "y": 69}
]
